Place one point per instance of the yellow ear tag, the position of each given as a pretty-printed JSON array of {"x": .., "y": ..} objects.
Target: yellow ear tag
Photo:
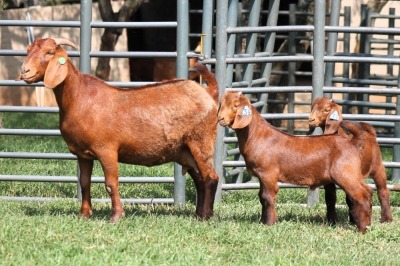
[{"x": 62, "y": 60}]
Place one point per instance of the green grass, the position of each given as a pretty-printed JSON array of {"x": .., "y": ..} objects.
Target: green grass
[{"x": 50, "y": 233}]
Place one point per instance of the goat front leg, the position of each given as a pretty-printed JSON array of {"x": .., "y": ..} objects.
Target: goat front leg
[
  {"x": 85, "y": 174},
  {"x": 109, "y": 163},
  {"x": 268, "y": 194}
]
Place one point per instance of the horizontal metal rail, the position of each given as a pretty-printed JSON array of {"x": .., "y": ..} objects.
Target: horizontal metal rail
[
  {"x": 126, "y": 84},
  {"x": 310, "y": 28},
  {"x": 308, "y": 58},
  {"x": 126, "y": 200},
  {"x": 38, "y": 155},
  {"x": 30, "y": 132},
  {"x": 379, "y": 140},
  {"x": 94, "y": 179},
  {"x": 393, "y": 91},
  {"x": 93, "y": 24},
  {"x": 255, "y": 185},
  {"x": 243, "y": 164}
]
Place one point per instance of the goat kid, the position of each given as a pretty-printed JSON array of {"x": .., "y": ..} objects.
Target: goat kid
[
  {"x": 327, "y": 114},
  {"x": 274, "y": 156},
  {"x": 171, "y": 121}
]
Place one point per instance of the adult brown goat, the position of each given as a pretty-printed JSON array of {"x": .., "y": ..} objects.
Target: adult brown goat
[
  {"x": 327, "y": 114},
  {"x": 272, "y": 156},
  {"x": 171, "y": 121}
]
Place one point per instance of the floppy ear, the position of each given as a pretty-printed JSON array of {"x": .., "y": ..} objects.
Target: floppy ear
[
  {"x": 56, "y": 70},
  {"x": 243, "y": 116},
  {"x": 333, "y": 119}
]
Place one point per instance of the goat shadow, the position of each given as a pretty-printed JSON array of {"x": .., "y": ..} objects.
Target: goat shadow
[
  {"x": 102, "y": 211},
  {"x": 292, "y": 216}
]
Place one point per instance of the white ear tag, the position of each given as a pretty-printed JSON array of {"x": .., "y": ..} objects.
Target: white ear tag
[
  {"x": 334, "y": 116},
  {"x": 246, "y": 111}
]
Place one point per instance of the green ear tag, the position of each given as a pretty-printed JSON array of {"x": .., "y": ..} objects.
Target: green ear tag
[{"x": 61, "y": 60}]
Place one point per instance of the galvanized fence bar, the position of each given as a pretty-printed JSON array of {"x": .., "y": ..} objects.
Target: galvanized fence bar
[
  {"x": 182, "y": 67},
  {"x": 220, "y": 72},
  {"x": 85, "y": 24},
  {"x": 318, "y": 73}
]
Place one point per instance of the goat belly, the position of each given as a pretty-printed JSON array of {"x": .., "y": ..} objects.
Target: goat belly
[{"x": 148, "y": 157}]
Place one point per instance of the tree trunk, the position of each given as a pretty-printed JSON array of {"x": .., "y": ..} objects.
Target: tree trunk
[{"x": 110, "y": 35}]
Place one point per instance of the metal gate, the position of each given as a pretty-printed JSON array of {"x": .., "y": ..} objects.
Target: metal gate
[
  {"x": 243, "y": 58},
  {"x": 85, "y": 54}
]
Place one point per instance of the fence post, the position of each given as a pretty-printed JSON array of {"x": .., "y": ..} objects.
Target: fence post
[
  {"x": 84, "y": 59},
  {"x": 220, "y": 71},
  {"x": 182, "y": 46},
  {"x": 318, "y": 72},
  {"x": 332, "y": 42}
]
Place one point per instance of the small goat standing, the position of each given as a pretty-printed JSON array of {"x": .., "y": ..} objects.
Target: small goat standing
[
  {"x": 327, "y": 114},
  {"x": 274, "y": 156},
  {"x": 172, "y": 121}
]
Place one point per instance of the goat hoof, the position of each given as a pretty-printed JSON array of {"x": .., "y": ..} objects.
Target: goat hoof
[
  {"x": 115, "y": 217},
  {"x": 204, "y": 215},
  {"x": 386, "y": 219},
  {"x": 85, "y": 214}
]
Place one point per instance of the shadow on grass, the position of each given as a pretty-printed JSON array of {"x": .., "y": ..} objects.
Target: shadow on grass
[
  {"x": 293, "y": 214},
  {"x": 102, "y": 212}
]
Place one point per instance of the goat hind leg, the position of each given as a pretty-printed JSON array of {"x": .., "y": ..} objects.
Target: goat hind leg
[
  {"x": 85, "y": 173},
  {"x": 330, "y": 201},
  {"x": 206, "y": 180},
  {"x": 205, "y": 192},
  {"x": 380, "y": 177}
]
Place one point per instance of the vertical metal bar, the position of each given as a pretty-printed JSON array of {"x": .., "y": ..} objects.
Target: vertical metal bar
[
  {"x": 231, "y": 48},
  {"x": 332, "y": 42},
  {"x": 318, "y": 72},
  {"x": 396, "y": 147},
  {"x": 251, "y": 41},
  {"x": 86, "y": 36},
  {"x": 232, "y": 22},
  {"x": 207, "y": 27},
  {"x": 84, "y": 59},
  {"x": 367, "y": 66},
  {"x": 291, "y": 65},
  {"x": 239, "y": 67},
  {"x": 182, "y": 68},
  {"x": 346, "y": 50},
  {"x": 318, "y": 49},
  {"x": 269, "y": 44},
  {"x": 364, "y": 49},
  {"x": 220, "y": 71},
  {"x": 390, "y": 52}
]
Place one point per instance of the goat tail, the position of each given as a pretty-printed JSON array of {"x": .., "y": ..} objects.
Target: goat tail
[
  {"x": 358, "y": 128},
  {"x": 212, "y": 85}
]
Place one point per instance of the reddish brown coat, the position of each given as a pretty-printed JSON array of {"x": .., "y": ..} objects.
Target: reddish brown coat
[
  {"x": 172, "y": 121},
  {"x": 274, "y": 156},
  {"x": 322, "y": 111}
]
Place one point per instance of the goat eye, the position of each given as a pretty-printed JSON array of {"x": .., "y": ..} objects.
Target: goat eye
[{"x": 51, "y": 52}]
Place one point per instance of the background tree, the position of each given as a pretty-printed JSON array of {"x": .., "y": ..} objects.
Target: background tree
[{"x": 110, "y": 35}]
